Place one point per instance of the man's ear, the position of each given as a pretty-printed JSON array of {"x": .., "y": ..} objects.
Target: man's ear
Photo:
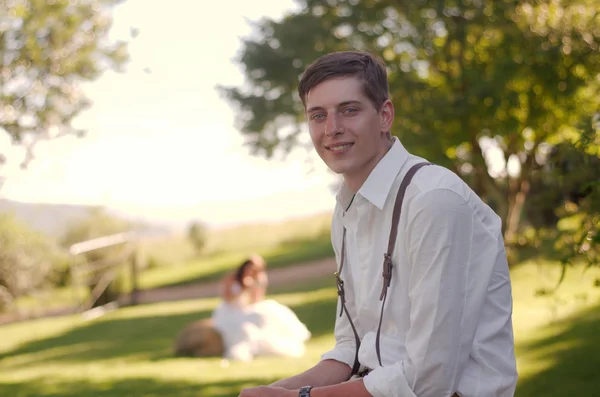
[{"x": 386, "y": 115}]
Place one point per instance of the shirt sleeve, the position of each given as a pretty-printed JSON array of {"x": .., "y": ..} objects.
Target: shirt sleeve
[
  {"x": 439, "y": 239},
  {"x": 345, "y": 342}
]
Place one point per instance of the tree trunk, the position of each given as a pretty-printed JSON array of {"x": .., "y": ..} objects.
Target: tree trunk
[
  {"x": 488, "y": 186},
  {"x": 518, "y": 192},
  {"x": 516, "y": 203},
  {"x": 498, "y": 195}
]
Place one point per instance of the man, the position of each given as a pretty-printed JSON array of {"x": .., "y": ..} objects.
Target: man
[{"x": 446, "y": 329}]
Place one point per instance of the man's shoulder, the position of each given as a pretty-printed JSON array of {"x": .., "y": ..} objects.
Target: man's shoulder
[
  {"x": 439, "y": 187},
  {"x": 433, "y": 178}
]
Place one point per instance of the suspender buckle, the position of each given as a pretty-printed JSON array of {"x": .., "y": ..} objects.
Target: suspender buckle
[
  {"x": 340, "y": 288},
  {"x": 387, "y": 274}
]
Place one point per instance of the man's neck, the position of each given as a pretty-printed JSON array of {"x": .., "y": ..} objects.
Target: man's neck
[{"x": 355, "y": 181}]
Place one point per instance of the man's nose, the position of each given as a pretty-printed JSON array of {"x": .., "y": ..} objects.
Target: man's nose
[{"x": 334, "y": 125}]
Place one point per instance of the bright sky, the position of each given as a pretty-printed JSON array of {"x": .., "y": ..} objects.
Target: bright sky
[{"x": 163, "y": 144}]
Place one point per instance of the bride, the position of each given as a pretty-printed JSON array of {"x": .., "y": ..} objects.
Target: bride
[{"x": 251, "y": 325}]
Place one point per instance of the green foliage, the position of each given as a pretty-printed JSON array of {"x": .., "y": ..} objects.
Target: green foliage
[
  {"x": 27, "y": 259},
  {"x": 197, "y": 234},
  {"x": 48, "y": 48},
  {"x": 563, "y": 207},
  {"x": 465, "y": 76},
  {"x": 579, "y": 226},
  {"x": 457, "y": 71}
]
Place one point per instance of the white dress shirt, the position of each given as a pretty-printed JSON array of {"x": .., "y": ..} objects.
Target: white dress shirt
[{"x": 447, "y": 324}]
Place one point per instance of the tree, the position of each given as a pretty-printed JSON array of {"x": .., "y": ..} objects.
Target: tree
[
  {"x": 27, "y": 259},
  {"x": 197, "y": 235},
  {"x": 47, "y": 49},
  {"x": 468, "y": 77}
]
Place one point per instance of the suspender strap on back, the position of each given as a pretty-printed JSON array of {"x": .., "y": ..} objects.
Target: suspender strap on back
[{"x": 387, "y": 267}]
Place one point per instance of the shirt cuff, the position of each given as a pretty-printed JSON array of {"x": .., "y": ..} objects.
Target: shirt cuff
[
  {"x": 388, "y": 381},
  {"x": 342, "y": 354}
]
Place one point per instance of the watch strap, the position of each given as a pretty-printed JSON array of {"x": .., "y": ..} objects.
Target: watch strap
[{"x": 304, "y": 391}]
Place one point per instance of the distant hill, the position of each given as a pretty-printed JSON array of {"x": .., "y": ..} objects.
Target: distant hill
[
  {"x": 53, "y": 219},
  {"x": 47, "y": 218}
]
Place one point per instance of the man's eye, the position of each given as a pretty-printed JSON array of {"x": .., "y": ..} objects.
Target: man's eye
[
  {"x": 350, "y": 110},
  {"x": 318, "y": 116}
]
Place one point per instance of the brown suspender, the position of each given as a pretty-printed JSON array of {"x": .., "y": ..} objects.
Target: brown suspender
[
  {"x": 342, "y": 295},
  {"x": 387, "y": 266}
]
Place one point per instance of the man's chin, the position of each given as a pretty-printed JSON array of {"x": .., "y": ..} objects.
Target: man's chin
[{"x": 337, "y": 170}]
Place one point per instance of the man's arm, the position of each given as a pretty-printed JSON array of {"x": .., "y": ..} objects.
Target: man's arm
[
  {"x": 325, "y": 373},
  {"x": 355, "y": 388},
  {"x": 438, "y": 237}
]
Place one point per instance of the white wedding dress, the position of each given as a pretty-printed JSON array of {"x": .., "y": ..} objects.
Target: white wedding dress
[{"x": 263, "y": 328}]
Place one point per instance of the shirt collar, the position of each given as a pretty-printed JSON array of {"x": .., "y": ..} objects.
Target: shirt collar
[{"x": 379, "y": 182}]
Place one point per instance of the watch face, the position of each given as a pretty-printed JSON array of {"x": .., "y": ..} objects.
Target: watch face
[{"x": 305, "y": 391}]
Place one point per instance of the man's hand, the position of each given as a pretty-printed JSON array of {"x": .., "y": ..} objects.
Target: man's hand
[{"x": 268, "y": 391}]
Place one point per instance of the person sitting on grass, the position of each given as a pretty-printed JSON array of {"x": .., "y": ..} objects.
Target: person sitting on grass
[{"x": 252, "y": 325}]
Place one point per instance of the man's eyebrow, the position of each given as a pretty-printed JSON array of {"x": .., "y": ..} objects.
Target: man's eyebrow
[
  {"x": 345, "y": 103},
  {"x": 314, "y": 108}
]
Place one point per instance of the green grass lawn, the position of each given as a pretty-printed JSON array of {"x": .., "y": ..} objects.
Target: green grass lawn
[{"x": 128, "y": 352}]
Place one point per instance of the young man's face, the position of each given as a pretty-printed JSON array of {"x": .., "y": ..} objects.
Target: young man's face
[{"x": 348, "y": 132}]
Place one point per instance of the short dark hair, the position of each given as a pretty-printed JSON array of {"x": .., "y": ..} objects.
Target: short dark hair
[{"x": 370, "y": 69}]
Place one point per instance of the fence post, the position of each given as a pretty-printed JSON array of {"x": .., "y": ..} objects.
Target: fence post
[
  {"x": 75, "y": 286},
  {"x": 134, "y": 278},
  {"x": 110, "y": 270}
]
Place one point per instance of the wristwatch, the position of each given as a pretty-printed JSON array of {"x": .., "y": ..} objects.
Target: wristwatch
[{"x": 305, "y": 391}]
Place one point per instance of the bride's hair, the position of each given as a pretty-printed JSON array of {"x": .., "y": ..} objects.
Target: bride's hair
[{"x": 253, "y": 260}]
